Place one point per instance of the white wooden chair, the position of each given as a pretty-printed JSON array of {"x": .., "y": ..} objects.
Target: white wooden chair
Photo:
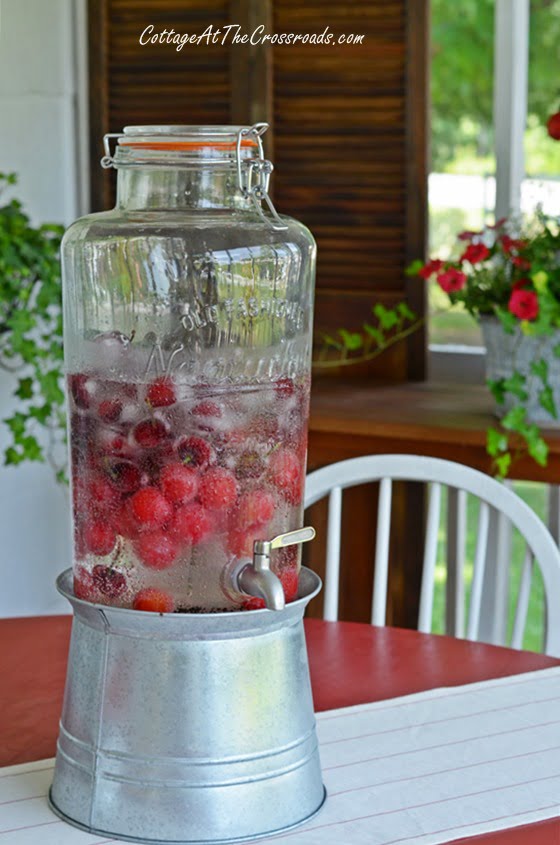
[{"x": 461, "y": 480}]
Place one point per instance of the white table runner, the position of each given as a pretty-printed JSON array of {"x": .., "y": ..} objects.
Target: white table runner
[{"x": 420, "y": 770}]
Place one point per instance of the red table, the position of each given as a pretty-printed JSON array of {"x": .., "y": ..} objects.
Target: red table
[{"x": 350, "y": 664}]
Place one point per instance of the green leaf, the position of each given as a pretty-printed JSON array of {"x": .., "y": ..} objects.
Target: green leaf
[
  {"x": 516, "y": 385},
  {"x": 351, "y": 340},
  {"x": 546, "y": 401},
  {"x": 497, "y": 389},
  {"x": 414, "y": 267},
  {"x": 515, "y": 420},
  {"x": 507, "y": 319},
  {"x": 50, "y": 386},
  {"x": 32, "y": 451},
  {"x": 16, "y": 424},
  {"x": 503, "y": 464},
  {"x": 538, "y": 450},
  {"x": 388, "y": 318},
  {"x": 25, "y": 388},
  {"x": 405, "y": 312},
  {"x": 376, "y": 334},
  {"x": 12, "y": 457},
  {"x": 496, "y": 442},
  {"x": 540, "y": 369}
]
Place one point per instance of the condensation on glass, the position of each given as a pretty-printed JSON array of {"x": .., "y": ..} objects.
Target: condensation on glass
[{"x": 187, "y": 320}]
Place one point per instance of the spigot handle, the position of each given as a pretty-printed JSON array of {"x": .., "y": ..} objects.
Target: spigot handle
[{"x": 257, "y": 579}]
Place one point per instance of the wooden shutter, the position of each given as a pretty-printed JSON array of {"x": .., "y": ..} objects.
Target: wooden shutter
[{"x": 348, "y": 129}]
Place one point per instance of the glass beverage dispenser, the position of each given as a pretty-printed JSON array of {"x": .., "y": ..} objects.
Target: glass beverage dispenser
[{"x": 188, "y": 315}]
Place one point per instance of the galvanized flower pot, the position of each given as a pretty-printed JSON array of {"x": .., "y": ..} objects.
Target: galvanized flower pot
[
  {"x": 506, "y": 353},
  {"x": 187, "y": 728}
]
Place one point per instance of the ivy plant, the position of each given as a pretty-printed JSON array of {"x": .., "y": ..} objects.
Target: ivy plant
[
  {"x": 347, "y": 348},
  {"x": 31, "y": 333}
]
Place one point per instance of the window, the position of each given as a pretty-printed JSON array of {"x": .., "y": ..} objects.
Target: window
[{"x": 482, "y": 103}]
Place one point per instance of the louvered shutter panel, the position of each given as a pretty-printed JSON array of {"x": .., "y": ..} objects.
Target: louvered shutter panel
[{"x": 348, "y": 129}]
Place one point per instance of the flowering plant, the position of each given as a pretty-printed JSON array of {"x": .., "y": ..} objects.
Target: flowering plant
[{"x": 511, "y": 273}]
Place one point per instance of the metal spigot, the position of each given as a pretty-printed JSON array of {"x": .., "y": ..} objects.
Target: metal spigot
[{"x": 257, "y": 579}]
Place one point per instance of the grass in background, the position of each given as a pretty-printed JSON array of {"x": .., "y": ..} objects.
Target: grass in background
[{"x": 535, "y": 496}]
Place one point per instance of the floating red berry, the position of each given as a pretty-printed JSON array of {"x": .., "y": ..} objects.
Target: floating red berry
[
  {"x": 110, "y": 410},
  {"x": 218, "y": 489},
  {"x": 179, "y": 483},
  {"x": 161, "y": 393},
  {"x": 255, "y": 508},
  {"x": 285, "y": 470},
  {"x": 153, "y": 600},
  {"x": 84, "y": 586},
  {"x": 207, "y": 409},
  {"x": 83, "y": 389},
  {"x": 108, "y": 581},
  {"x": 124, "y": 522},
  {"x": 195, "y": 452},
  {"x": 96, "y": 496},
  {"x": 192, "y": 523},
  {"x": 150, "y": 509},
  {"x": 157, "y": 549},
  {"x": 553, "y": 126},
  {"x": 249, "y": 465},
  {"x": 150, "y": 433},
  {"x": 241, "y": 541},
  {"x": 99, "y": 538},
  {"x": 125, "y": 476}
]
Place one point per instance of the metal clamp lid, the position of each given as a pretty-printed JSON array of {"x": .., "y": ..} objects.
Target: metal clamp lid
[{"x": 253, "y": 188}]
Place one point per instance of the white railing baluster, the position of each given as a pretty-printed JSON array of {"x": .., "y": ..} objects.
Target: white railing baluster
[
  {"x": 381, "y": 573},
  {"x": 478, "y": 571},
  {"x": 430, "y": 557},
  {"x": 456, "y": 549},
  {"x": 332, "y": 572},
  {"x": 522, "y": 600}
]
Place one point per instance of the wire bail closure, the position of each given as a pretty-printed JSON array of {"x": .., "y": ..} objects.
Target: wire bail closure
[{"x": 253, "y": 176}]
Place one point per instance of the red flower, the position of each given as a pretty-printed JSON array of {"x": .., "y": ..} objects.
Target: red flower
[
  {"x": 475, "y": 253},
  {"x": 467, "y": 235},
  {"x": 499, "y": 223},
  {"x": 524, "y": 304},
  {"x": 430, "y": 268},
  {"x": 451, "y": 280},
  {"x": 553, "y": 126},
  {"x": 520, "y": 262},
  {"x": 510, "y": 244}
]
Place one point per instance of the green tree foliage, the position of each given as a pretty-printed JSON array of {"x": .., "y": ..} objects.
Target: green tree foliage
[{"x": 462, "y": 73}]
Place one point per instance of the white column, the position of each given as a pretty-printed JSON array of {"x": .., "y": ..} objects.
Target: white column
[{"x": 511, "y": 53}]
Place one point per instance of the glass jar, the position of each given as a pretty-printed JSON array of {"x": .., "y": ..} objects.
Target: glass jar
[{"x": 187, "y": 329}]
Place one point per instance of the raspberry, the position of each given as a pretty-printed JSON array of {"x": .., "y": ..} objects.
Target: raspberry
[
  {"x": 110, "y": 410},
  {"x": 179, "y": 483},
  {"x": 192, "y": 523},
  {"x": 284, "y": 388},
  {"x": 285, "y": 470},
  {"x": 153, "y": 600},
  {"x": 156, "y": 549},
  {"x": 195, "y": 452},
  {"x": 150, "y": 433},
  {"x": 110, "y": 582},
  {"x": 255, "y": 508},
  {"x": 99, "y": 538},
  {"x": 150, "y": 509},
  {"x": 161, "y": 393},
  {"x": 218, "y": 489}
]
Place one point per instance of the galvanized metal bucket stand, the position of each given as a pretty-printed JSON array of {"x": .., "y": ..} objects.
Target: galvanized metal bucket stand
[{"x": 187, "y": 728}]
